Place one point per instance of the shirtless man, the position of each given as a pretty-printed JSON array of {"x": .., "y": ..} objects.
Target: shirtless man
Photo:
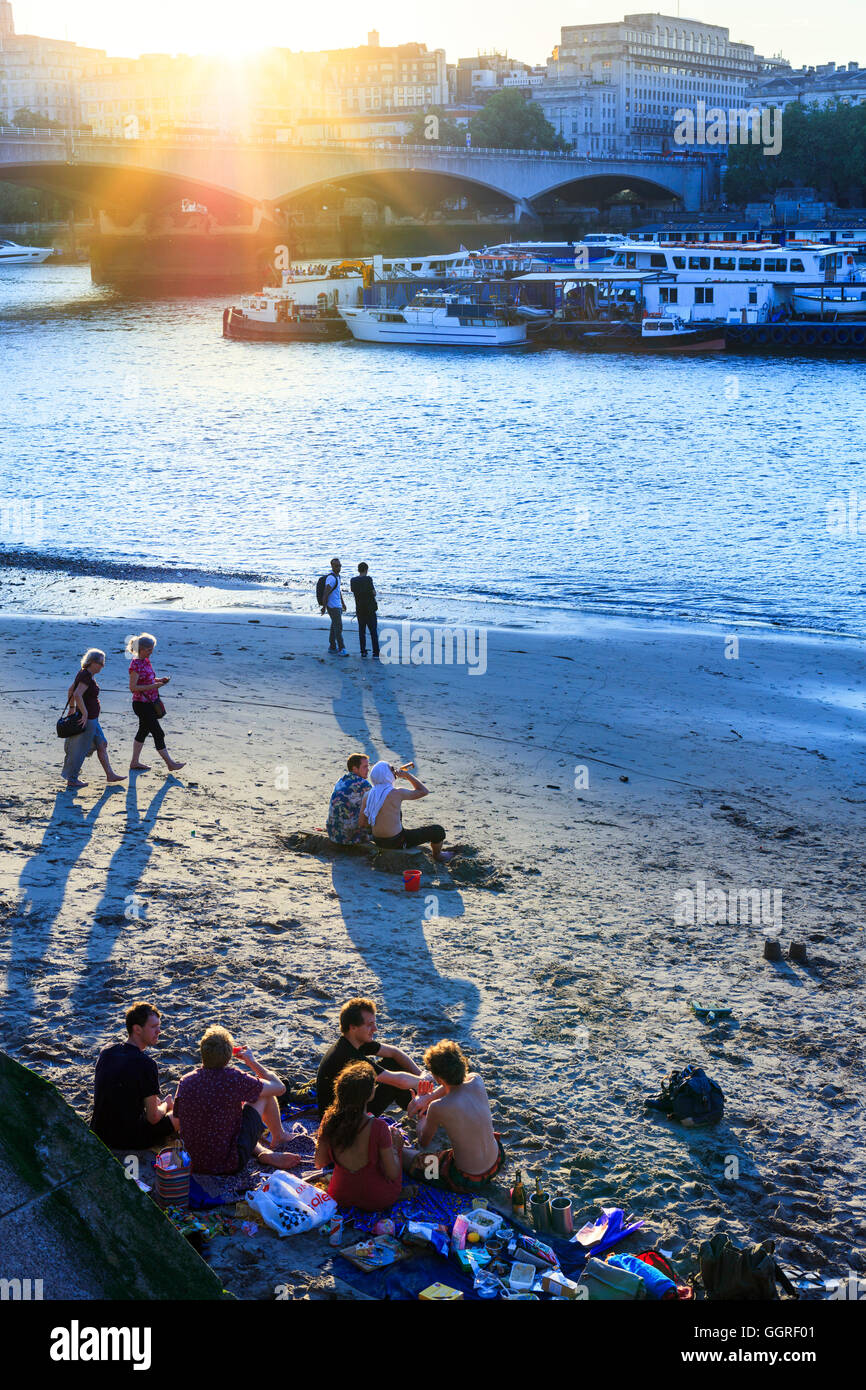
[
  {"x": 382, "y": 811},
  {"x": 459, "y": 1104}
]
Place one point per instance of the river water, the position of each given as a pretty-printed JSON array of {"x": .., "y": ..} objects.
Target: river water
[{"x": 517, "y": 488}]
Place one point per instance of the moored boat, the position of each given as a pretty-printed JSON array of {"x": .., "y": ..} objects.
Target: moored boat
[
  {"x": 668, "y": 334},
  {"x": 440, "y": 319},
  {"x": 304, "y": 308},
  {"x": 13, "y": 254}
]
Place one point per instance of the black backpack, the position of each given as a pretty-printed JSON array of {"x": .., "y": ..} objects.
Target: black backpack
[
  {"x": 691, "y": 1097},
  {"x": 320, "y": 587}
]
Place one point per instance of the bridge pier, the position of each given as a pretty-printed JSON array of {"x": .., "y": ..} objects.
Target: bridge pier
[
  {"x": 189, "y": 252},
  {"x": 524, "y": 211}
]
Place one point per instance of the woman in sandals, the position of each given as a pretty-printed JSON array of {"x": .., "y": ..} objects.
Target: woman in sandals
[
  {"x": 83, "y": 695},
  {"x": 145, "y": 687}
]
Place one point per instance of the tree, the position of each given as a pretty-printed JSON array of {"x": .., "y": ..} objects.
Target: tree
[
  {"x": 509, "y": 122},
  {"x": 434, "y": 128},
  {"x": 26, "y": 119},
  {"x": 822, "y": 147}
]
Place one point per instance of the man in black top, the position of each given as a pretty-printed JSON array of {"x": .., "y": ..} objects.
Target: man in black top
[
  {"x": 358, "y": 1044},
  {"x": 366, "y": 608},
  {"x": 127, "y": 1110}
]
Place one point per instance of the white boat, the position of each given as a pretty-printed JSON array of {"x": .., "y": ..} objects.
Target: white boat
[
  {"x": 841, "y": 302},
  {"x": 439, "y": 319},
  {"x": 13, "y": 254}
]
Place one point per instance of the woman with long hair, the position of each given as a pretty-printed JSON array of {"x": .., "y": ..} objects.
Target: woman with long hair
[
  {"x": 145, "y": 688},
  {"x": 366, "y": 1153},
  {"x": 83, "y": 695}
]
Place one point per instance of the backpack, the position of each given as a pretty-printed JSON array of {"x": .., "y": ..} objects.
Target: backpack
[
  {"x": 691, "y": 1097},
  {"x": 730, "y": 1272},
  {"x": 320, "y": 588}
]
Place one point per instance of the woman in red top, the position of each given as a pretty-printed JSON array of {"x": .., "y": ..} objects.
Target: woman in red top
[
  {"x": 367, "y": 1165},
  {"x": 145, "y": 688}
]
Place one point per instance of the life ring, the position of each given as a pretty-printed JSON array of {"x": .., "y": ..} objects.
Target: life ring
[
  {"x": 858, "y": 336},
  {"x": 843, "y": 337},
  {"x": 747, "y": 336},
  {"x": 762, "y": 335},
  {"x": 554, "y": 333},
  {"x": 826, "y": 337},
  {"x": 778, "y": 335},
  {"x": 795, "y": 337},
  {"x": 810, "y": 336}
]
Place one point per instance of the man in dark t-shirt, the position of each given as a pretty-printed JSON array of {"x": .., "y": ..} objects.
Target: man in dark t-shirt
[
  {"x": 365, "y": 609},
  {"x": 357, "y": 1043},
  {"x": 127, "y": 1110}
]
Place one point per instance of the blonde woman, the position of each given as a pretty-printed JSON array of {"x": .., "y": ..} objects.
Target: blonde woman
[
  {"x": 145, "y": 688},
  {"x": 83, "y": 695}
]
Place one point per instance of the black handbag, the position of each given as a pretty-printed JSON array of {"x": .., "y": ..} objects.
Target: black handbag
[
  {"x": 68, "y": 725},
  {"x": 159, "y": 709}
]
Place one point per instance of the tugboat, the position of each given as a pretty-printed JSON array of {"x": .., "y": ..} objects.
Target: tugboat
[{"x": 304, "y": 308}]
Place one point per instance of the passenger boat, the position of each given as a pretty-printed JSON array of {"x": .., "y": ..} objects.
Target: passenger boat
[
  {"x": 13, "y": 254},
  {"x": 304, "y": 308},
  {"x": 440, "y": 318}
]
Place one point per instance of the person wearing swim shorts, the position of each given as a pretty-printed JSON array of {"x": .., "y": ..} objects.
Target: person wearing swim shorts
[
  {"x": 381, "y": 809},
  {"x": 458, "y": 1104}
]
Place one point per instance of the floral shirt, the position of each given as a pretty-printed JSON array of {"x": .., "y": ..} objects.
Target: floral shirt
[
  {"x": 146, "y": 674},
  {"x": 345, "y": 808}
]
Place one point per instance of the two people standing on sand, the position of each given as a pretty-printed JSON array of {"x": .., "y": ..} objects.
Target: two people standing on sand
[
  {"x": 83, "y": 695},
  {"x": 334, "y": 606}
]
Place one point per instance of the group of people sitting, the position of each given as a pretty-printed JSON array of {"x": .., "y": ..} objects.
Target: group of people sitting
[
  {"x": 223, "y": 1110},
  {"x": 366, "y": 804}
]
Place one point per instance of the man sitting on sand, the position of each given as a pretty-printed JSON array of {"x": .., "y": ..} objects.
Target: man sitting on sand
[
  {"x": 460, "y": 1105},
  {"x": 345, "y": 805},
  {"x": 223, "y": 1112},
  {"x": 382, "y": 810},
  {"x": 358, "y": 1044},
  {"x": 127, "y": 1110}
]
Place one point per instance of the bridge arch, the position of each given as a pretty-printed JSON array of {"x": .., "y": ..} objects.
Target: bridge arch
[
  {"x": 127, "y": 189},
  {"x": 379, "y": 179},
  {"x": 608, "y": 184}
]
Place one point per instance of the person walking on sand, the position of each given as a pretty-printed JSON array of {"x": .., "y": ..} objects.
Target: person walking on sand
[
  {"x": 83, "y": 695},
  {"x": 381, "y": 809},
  {"x": 366, "y": 608},
  {"x": 335, "y": 607},
  {"x": 146, "y": 703}
]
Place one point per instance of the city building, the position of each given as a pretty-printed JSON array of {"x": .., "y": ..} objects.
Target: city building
[
  {"x": 40, "y": 75},
  {"x": 615, "y": 88},
  {"x": 478, "y": 78},
  {"x": 812, "y": 86},
  {"x": 157, "y": 94},
  {"x": 373, "y": 78}
]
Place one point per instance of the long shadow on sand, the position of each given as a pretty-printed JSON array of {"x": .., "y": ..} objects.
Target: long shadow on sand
[
  {"x": 119, "y": 906},
  {"x": 42, "y": 887},
  {"x": 349, "y": 711},
  {"x": 394, "y": 948}
]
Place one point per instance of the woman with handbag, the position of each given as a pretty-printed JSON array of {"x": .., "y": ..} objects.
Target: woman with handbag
[
  {"x": 83, "y": 697},
  {"x": 146, "y": 704}
]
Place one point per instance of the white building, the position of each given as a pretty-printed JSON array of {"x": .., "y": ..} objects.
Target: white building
[
  {"x": 818, "y": 86},
  {"x": 615, "y": 88},
  {"x": 40, "y": 75}
]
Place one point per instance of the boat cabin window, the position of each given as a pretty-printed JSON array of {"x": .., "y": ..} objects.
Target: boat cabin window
[
  {"x": 651, "y": 328},
  {"x": 631, "y": 260},
  {"x": 679, "y": 262},
  {"x": 665, "y": 327},
  {"x": 704, "y": 294},
  {"x": 776, "y": 263},
  {"x": 699, "y": 262},
  {"x": 753, "y": 296},
  {"x": 750, "y": 263},
  {"x": 658, "y": 262},
  {"x": 797, "y": 264},
  {"x": 668, "y": 296},
  {"x": 724, "y": 263}
]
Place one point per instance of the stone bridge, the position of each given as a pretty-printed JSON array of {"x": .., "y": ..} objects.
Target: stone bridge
[{"x": 134, "y": 176}]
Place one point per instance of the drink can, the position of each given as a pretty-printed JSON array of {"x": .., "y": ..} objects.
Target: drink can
[{"x": 336, "y": 1231}]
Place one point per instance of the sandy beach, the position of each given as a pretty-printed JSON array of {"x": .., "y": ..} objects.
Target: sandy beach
[{"x": 612, "y": 779}]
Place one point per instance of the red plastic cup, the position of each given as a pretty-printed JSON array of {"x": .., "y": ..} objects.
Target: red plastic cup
[{"x": 412, "y": 880}]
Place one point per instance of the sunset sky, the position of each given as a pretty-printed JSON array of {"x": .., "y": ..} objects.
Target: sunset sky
[{"x": 803, "y": 31}]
